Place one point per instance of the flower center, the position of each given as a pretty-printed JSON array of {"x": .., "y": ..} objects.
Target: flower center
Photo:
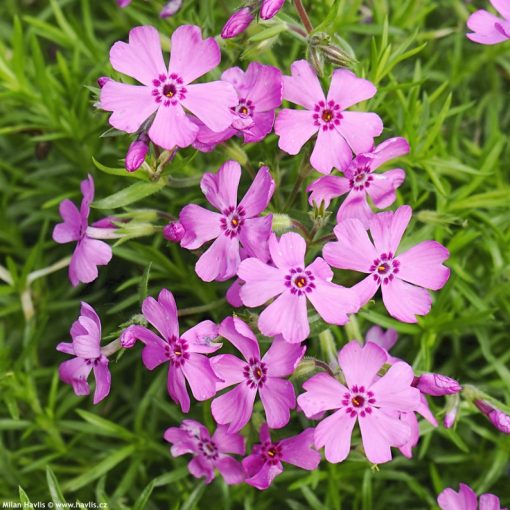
[
  {"x": 384, "y": 268},
  {"x": 255, "y": 373},
  {"x": 208, "y": 449},
  {"x": 271, "y": 452},
  {"x": 232, "y": 221},
  {"x": 93, "y": 361},
  {"x": 245, "y": 108},
  {"x": 327, "y": 114},
  {"x": 177, "y": 351},
  {"x": 358, "y": 401},
  {"x": 361, "y": 179},
  {"x": 300, "y": 281},
  {"x": 168, "y": 89}
]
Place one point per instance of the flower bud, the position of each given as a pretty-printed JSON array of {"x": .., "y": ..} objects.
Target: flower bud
[
  {"x": 498, "y": 418},
  {"x": 170, "y": 8},
  {"x": 128, "y": 338},
  {"x": 281, "y": 223},
  {"x": 102, "y": 80},
  {"x": 270, "y": 8},
  {"x": 437, "y": 385},
  {"x": 123, "y": 3},
  {"x": 136, "y": 154},
  {"x": 237, "y": 23},
  {"x": 173, "y": 232}
]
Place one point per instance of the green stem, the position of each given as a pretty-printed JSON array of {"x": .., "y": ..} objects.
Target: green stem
[{"x": 303, "y": 15}]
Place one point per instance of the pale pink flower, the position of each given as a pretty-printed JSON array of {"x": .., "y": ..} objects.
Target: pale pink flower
[
  {"x": 488, "y": 28},
  {"x": 466, "y": 499}
]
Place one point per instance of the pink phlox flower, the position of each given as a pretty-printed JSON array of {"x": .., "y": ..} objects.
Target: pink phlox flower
[
  {"x": 466, "y": 499},
  {"x": 86, "y": 347},
  {"x": 293, "y": 284},
  {"x": 374, "y": 402},
  {"x": 339, "y": 132},
  {"x": 184, "y": 353},
  {"x": 259, "y": 90},
  {"x": 167, "y": 92},
  {"x": 235, "y": 224},
  {"x": 403, "y": 278},
  {"x": 385, "y": 339},
  {"x": 89, "y": 252},
  {"x": 488, "y": 28},
  {"x": 209, "y": 453},
  {"x": 264, "y": 375},
  {"x": 361, "y": 180},
  {"x": 265, "y": 461}
]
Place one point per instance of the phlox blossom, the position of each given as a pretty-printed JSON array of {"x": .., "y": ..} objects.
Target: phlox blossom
[
  {"x": 254, "y": 374},
  {"x": 209, "y": 452},
  {"x": 265, "y": 461},
  {"x": 402, "y": 277},
  {"x": 488, "y": 28},
  {"x": 86, "y": 349},
  {"x": 466, "y": 499},
  {"x": 166, "y": 92},
  {"x": 375, "y": 402},
  {"x": 339, "y": 132}
]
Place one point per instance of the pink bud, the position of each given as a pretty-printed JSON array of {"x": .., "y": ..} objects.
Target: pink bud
[
  {"x": 136, "y": 154},
  {"x": 102, "y": 80},
  {"x": 123, "y": 3},
  {"x": 237, "y": 23},
  {"x": 498, "y": 418},
  {"x": 437, "y": 385},
  {"x": 449, "y": 418},
  {"x": 128, "y": 338},
  {"x": 170, "y": 8},
  {"x": 270, "y": 8},
  {"x": 106, "y": 222},
  {"x": 174, "y": 232}
]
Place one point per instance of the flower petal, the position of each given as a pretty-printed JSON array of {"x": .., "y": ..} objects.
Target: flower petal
[
  {"x": 382, "y": 188},
  {"x": 465, "y": 499},
  {"x": 162, "y": 314},
  {"x": 103, "y": 380},
  {"x": 422, "y": 265},
  {"x": 262, "y": 282},
  {"x": 238, "y": 333},
  {"x": 259, "y": 193},
  {"x": 282, "y": 357},
  {"x": 287, "y": 315},
  {"x": 361, "y": 364},
  {"x": 388, "y": 150},
  {"x": 331, "y": 151},
  {"x": 89, "y": 254},
  {"x": 303, "y": 86},
  {"x": 70, "y": 229},
  {"x": 176, "y": 386},
  {"x": 200, "y": 376},
  {"x": 264, "y": 86},
  {"x": 278, "y": 398},
  {"x": 229, "y": 368},
  {"x": 385, "y": 339},
  {"x": 484, "y": 26},
  {"x": 359, "y": 130},
  {"x": 404, "y": 301},
  {"x": 295, "y": 128},
  {"x": 231, "y": 470},
  {"x": 288, "y": 252},
  {"x": 298, "y": 450},
  {"x": 327, "y": 188},
  {"x": 355, "y": 207},
  {"x": 255, "y": 234},
  {"x": 265, "y": 475},
  {"x": 366, "y": 289},
  {"x": 334, "y": 433},
  {"x": 200, "y": 225},
  {"x": 262, "y": 125},
  {"x": 323, "y": 393},
  {"x": 201, "y": 338},
  {"x": 347, "y": 89},
  {"x": 234, "y": 407},
  {"x": 191, "y": 56},
  {"x": 199, "y": 467},
  {"x": 220, "y": 188},
  {"x": 131, "y": 104},
  {"x": 75, "y": 372},
  {"x": 387, "y": 229},
  {"x": 220, "y": 261},
  {"x": 227, "y": 442},
  {"x": 172, "y": 128}
]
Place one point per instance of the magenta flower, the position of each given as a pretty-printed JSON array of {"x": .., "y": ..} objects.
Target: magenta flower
[
  {"x": 173, "y": 232},
  {"x": 254, "y": 375},
  {"x": 242, "y": 18},
  {"x": 136, "y": 153},
  {"x": 259, "y": 90},
  {"x": 360, "y": 180},
  {"x": 170, "y": 8},
  {"x": 466, "y": 499},
  {"x": 86, "y": 347},
  {"x": 209, "y": 453},
  {"x": 437, "y": 385},
  {"x": 488, "y": 28},
  {"x": 339, "y": 132},
  {"x": 183, "y": 353},
  {"x": 166, "y": 92},
  {"x": 89, "y": 252},
  {"x": 235, "y": 224},
  {"x": 498, "y": 418},
  {"x": 404, "y": 278},
  {"x": 265, "y": 461},
  {"x": 371, "y": 400},
  {"x": 294, "y": 284}
]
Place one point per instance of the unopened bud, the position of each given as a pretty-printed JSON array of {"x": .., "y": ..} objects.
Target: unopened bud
[
  {"x": 136, "y": 154},
  {"x": 102, "y": 80},
  {"x": 437, "y": 385},
  {"x": 320, "y": 47},
  {"x": 270, "y": 8},
  {"x": 174, "y": 232},
  {"x": 498, "y": 418},
  {"x": 452, "y": 410},
  {"x": 237, "y": 23},
  {"x": 281, "y": 223},
  {"x": 170, "y": 8},
  {"x": 128, "y": 337}
]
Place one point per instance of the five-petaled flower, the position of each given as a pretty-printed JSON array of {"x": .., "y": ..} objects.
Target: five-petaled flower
[
  {"x": 294, "y": 284},
  {"x": 89, "y": 252},
  {"x": 255, "y": 374},
  {"x": 265, "y": 461},
  {"x": 402, "y": 277},
  {"x": 488, "y": 28},
  {"x": 209, "y": 453},
  {"x": 235, "y": 224},
  {"x": 360, "y": 180},
  {"x": 86, "y": 347},
  {"x": 184, "y": 352},
  {"x": 375, "y": 402},
  {"x": 466, "y": 499},
  {"x": 339, "y": 132},
  {"x": 167, "y": 91}
]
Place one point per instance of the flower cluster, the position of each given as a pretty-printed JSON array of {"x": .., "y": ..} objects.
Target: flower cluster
[{"x": 284, "y": 278}]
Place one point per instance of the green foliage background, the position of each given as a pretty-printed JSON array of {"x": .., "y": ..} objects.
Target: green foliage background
[{"x": 448, "y": 96}]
